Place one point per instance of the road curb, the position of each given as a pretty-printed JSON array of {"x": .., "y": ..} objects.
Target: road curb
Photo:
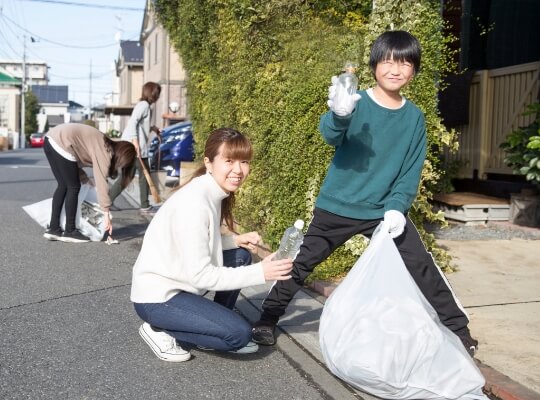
[
  {"x": 502, "y": 387},
  {"x": 498, "y": 385}
]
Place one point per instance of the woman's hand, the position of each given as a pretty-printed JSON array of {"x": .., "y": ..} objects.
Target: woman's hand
[
  {"x": 107, "y": 222},
  {"x": 248, "y": 240},
  {"x": 276, "y": 270},
  {"x": 156, "y": 130},
  {"x": 136, "y": 145}
]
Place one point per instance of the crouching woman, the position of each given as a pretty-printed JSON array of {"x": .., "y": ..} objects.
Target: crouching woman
[{"x": 184, "y": 255}]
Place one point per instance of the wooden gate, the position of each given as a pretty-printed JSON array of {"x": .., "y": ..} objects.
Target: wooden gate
[{"x": 498, "y": 99}]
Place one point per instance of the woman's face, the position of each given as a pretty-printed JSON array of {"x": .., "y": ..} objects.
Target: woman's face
[{"x": 228, "y": 173}]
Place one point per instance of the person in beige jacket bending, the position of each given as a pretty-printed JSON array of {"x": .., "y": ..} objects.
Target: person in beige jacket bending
[
  {"x": 184, "y": 255},
  {"x": 68, "y": 148}
]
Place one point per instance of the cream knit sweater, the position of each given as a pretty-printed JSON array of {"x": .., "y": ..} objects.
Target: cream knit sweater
[{"x": 182, "y": 248}]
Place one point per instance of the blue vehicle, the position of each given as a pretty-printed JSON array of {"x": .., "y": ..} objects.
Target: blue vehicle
[{"x": 176, "y": 146}]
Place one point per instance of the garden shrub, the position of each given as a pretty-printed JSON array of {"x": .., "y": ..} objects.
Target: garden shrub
[{"x": 264, "y": 67}]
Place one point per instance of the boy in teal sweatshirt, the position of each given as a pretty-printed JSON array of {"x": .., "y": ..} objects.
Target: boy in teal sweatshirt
[{"x": 380, "y": 142}]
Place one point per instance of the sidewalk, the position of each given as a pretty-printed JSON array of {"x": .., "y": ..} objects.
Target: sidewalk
[{"x": 497, "y": 282}]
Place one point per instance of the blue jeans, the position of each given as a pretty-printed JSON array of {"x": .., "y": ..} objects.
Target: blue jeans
[{"x": 194, "y": 319}]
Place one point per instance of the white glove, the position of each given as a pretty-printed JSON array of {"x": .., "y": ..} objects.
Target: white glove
[
  {"x": 394, "y": 223},
  {"x": 339, "y": 100}
]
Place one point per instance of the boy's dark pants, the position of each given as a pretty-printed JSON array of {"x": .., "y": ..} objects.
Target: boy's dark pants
[{"x": 328, "y": 231}]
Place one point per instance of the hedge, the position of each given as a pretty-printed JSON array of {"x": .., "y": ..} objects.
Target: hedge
[{"x": 264, "y": 67}]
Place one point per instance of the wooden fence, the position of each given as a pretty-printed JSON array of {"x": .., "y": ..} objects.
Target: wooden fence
[{"x": 498, "y": 98}]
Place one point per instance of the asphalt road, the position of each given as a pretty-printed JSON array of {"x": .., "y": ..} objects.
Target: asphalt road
[{"x": 68, "y": 330}]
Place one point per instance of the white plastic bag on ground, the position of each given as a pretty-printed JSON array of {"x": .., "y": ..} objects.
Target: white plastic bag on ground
[
  {"x": 378, "y": 333},
  {"x": 89, "y": 218}
]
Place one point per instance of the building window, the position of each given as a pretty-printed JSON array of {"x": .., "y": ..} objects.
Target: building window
[
  {"x": 3, "y": 111},
  {"x": 156, "y": 51},
  {"x": 149, "y": 55}
]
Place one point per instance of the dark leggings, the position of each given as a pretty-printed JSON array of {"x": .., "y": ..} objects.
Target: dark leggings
[{"x": 69, "y": 184}]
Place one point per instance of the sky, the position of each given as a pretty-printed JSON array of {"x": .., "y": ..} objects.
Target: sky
[{"x": 76, "y": 38}]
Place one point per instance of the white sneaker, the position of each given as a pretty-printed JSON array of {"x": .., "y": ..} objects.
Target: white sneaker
[
  {"x": 247, "y": 349},
  {"x": 163, "y": 345}
]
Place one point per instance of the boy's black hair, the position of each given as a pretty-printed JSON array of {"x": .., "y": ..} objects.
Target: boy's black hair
[{"x": 399, "y": 45}]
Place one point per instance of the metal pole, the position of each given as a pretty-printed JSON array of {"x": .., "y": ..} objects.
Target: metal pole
[
  {"x": 90, "y": 92},
  {"x": 22, "y": 135}
]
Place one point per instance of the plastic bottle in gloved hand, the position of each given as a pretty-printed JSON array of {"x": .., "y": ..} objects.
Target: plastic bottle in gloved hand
[
  {"x": 348, "y": 79},
  {"x": 291, "y": 241},
  {"x": 342, "y": 94}
]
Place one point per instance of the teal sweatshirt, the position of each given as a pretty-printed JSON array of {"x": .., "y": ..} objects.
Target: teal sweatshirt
[{"x": 378, "y": 159}]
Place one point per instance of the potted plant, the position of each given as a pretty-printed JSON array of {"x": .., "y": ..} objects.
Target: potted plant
[{"x": 522, "y": 148}]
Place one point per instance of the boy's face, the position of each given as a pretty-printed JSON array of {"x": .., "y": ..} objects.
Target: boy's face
[{"x": 392, "y": 75}]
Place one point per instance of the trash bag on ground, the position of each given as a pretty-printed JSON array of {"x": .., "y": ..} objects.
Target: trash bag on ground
[
  {"x": 378, "y": 333},
  {"x": 89, "y": 219}
]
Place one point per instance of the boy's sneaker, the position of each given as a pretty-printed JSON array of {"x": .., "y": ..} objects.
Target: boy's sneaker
[
  {"x": 53, "y": 234},
  {"x": 470, "y": 344},
  {"x": 148, "y": 211},
  {"x": 264, "y": 333},
  {"x": 247, "y": 349},
  {"x": 74, "y": 237},
  {"x": 163, "y": 345}
]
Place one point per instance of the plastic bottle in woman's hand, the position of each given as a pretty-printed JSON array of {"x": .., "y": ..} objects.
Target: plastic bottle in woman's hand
[{"x": 291, "y": 241}]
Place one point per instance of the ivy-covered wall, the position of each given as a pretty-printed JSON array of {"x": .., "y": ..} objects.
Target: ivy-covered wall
[{"x": 264, "y": 67}]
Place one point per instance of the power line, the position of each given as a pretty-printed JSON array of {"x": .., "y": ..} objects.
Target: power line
[
  {"x": 49, "y": 60},
  {"x": 9, "y": 45},
  {"x": 70, "y": 3},
  {"x": 53, "y": 42},
  {"x": 101, "y": 75}
]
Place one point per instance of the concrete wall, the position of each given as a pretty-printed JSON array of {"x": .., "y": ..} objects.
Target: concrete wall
[{"x": 10, "y": 104}]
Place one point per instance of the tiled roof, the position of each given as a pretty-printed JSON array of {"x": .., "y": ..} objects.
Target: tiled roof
[
  {"x": 132, "y": 51},
  {"x": 74, "y": 104},
  {"x": 51, "y": 93}
]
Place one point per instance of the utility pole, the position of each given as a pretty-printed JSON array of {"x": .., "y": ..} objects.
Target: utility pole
[
  {"x": 22, "y": 135},
  {"x": 90, "y": 91}
]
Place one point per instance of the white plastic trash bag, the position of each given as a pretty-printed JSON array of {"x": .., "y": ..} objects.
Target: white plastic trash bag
[
  {"x": 89, "y": 218},
  {"x": 378, "y": 333}
]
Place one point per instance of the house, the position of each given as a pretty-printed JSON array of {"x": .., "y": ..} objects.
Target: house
[
  {"x": 498, "y": 54},
  {"x": 163, "y": 65},
  {"x": 127, "y": 85},
  {"x": 54, "y": 103},
  {"x": 129, "y": 69},
  {"x": 37, "y": 72},
  {"x": 10, "y": 89},
  {"x": 499, "y": 49},
  {"x": 75, "y": 111}
]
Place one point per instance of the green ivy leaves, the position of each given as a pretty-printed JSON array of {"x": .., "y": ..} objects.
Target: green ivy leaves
[
  {"x": 522, "y": 147},
  {"x": 264, "y": 67}
]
